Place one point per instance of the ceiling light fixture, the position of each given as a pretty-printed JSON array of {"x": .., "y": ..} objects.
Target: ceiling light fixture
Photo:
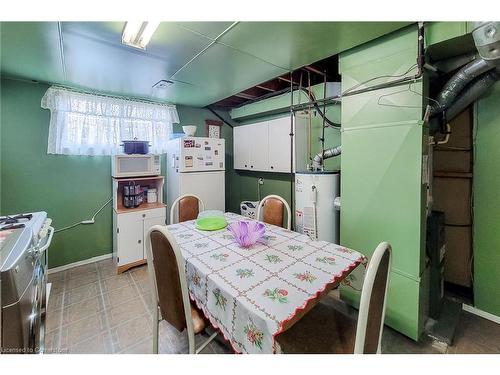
[{"x": 138, "y": 34}]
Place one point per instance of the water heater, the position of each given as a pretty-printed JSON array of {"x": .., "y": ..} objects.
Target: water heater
[{"x": 315, "y": 213}]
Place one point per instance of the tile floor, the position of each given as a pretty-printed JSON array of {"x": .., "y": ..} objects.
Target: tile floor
[{"x": 93, "y": 310}]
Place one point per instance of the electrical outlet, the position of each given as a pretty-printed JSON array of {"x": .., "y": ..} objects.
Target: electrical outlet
[{"x": 261, "y": 181}]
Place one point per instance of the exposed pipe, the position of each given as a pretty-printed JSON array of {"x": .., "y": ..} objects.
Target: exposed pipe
[
  {"x": 487, "y": 40},
  {"x": 458, "y": 82},
  {"x": 326, "y": 154},
  {"x": 473, "y": 92},
  {"x": 395, "y": 82}
]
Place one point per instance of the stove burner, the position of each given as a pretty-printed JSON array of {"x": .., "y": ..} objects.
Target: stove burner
[
  {"x": 15, "y": 219},
  {"x": 11, "y": 226}
]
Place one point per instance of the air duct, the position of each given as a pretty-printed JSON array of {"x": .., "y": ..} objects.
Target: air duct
[
  {"x": 477, "y": 76},
  {"x": 321, "y": 156},
  {"x": 472, "y": 92},
  {"x": 487, "y": 40},
  {"x": 458, "y": 82}
]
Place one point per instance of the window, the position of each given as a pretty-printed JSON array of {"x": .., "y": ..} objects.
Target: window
[{"x": 85, "y": 124}]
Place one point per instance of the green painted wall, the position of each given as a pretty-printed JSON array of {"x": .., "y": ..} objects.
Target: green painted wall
[
  {"x": 69, "y": 188},
  {"x": 381, "y": 172},
  {"x": 487, "y": 203}
]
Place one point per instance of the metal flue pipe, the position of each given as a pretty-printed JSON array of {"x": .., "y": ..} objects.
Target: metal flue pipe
[{"x": 320, "y": 157}]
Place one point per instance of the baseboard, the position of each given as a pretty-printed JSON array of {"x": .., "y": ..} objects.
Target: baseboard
[
  {"x": 481, "y": 313},
  {"x": 80, "y": 263}
]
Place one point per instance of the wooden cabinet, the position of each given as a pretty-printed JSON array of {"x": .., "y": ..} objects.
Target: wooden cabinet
[
  {"x": 130, "y": 226},
  {"x": 265, "y": 146}
]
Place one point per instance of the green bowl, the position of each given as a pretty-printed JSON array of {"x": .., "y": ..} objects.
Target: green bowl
[{"x": 211, "y": 223}]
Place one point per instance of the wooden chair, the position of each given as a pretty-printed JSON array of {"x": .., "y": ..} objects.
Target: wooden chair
[
  {"x": 271, "y": 209},
  {"x": 190, "y": 206},
  {"x": 170, "y": 292},
  {"x": 335, "y": 329}
]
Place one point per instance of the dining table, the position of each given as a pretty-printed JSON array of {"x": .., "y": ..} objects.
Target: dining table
[{"x": 253, "y": 294}]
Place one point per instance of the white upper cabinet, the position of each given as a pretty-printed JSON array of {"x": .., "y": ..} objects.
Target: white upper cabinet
[
  {"x": 259, "y": 152},
  {"x": 279, "y": 145},
  {"x": 265, "y": 146},
  {"x": 241, "y": 147}
]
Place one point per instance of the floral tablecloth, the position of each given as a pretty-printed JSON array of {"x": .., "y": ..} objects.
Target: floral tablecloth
[{"x": 249, "y": 294}]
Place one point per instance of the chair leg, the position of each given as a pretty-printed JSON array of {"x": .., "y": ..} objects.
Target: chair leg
[
  {"x": 156, "y": 328},
  {"x": 202, "y": 346}
]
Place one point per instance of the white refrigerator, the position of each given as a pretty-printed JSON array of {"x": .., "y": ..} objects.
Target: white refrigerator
[{"x": 196, "y": 165}]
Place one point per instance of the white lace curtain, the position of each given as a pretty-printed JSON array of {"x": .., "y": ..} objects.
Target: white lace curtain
[{"x": 86, "y": 124}]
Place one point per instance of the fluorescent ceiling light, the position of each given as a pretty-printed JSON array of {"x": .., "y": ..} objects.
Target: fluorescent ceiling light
[{"x": 138, "y": 34}]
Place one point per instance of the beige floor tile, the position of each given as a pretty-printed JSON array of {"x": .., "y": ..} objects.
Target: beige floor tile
[
  {"x": 82, "y": 309},
  {"x": 131, "y": 332},
  {"x": 81, "y": 270},
  {"x": 82, "y": 330},
  {"x": 126, "y": 311},
  {"x": 81, "y": 280},
  {"x": 143, "y": 347},
  {"x": 140, "y": 273},
  {"x": 57, "y": 286},
  {"x": 118, "y": 296},
  {"x": 52, "y": 342},
  {"x": 99, "y": 344},
  {"x": 115, "y": 282},
  {"x": 56, "y": 276},
  {"x": 55, "y": 302},
  {"x": 147, "y": 298},
  {"x": 53, "y": 320},
  {"x": 144, "y": 286},
  {"x": 83, "y": 292},
  {"x": 106, "y": 268}
]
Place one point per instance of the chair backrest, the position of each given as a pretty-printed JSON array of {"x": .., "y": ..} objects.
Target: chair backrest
[
  {"x": 270, "y": 211},
  {"x": 189, "y": 207},
  {"x": 373, "y": 299},
  {"x": 168, "y": 278}
]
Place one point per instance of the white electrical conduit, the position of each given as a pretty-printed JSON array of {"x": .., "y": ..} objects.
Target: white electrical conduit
[{"x": 91, "y": 221}]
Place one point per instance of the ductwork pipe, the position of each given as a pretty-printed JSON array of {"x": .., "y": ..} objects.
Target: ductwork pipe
[
  {"x": 472, "y": 92},
  {"x": 327, "y": 154},
  {"x": 458, "y": 82},
  {"x": 487, "y": 40}
]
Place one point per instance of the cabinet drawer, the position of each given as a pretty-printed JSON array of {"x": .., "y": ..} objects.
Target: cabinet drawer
[
  {"x": 154, "y": 213},
  {"x": 144, "y": 214}
]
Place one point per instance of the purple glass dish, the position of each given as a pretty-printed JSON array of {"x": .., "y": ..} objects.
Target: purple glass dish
[{"x": 247, "y": 233}]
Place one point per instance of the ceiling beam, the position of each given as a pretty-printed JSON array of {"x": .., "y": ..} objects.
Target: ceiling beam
[
  {"x": 287, "y": 80},
  {"x": 266, "y": 88},
  {"x": 245, "y": 96},
  {"x": 314, "y": 70}
]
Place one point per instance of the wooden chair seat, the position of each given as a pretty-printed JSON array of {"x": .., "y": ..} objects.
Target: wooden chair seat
[{"x": 329, "y": 328}]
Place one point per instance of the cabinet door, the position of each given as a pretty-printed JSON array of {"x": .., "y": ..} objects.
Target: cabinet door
[
  {"x": 129, "y": 238},
  {"x": 259, "y": 150},
  {"x": 147, "y": 224},
  {"x": 279, "y": 145},
  {"x": 241, "y": 147}
]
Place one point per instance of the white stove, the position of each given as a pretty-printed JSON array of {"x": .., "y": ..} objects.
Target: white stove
[{"x": 24, "y": 239}]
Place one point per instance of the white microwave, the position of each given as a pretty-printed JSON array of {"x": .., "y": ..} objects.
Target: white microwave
[{"x": 135, "y": 165}]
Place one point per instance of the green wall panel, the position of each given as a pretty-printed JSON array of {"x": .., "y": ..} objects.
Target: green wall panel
[
  {"x": 403, "y": 300},
  {"x": 487, "y": 204},
  {"x": 381, "y": 191},
  {"x": 436, "y": 32},
  {"x": 381, "y": 166},
  {"x": 69, "y": 188}
]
